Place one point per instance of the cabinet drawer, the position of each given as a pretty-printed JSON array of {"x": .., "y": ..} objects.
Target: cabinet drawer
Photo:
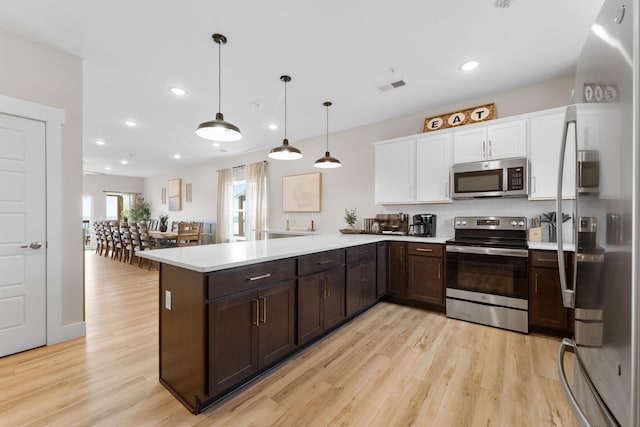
[
  {"x": 357, "y": 253},
  {"x": 227, "y": 282},
  {"x": 313, "y": 263},
  {"x": 546, "y": 259},
  {"x": 426, "y": 249}
]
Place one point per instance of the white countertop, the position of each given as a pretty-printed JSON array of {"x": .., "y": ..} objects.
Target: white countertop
[
  {"x": 551, "y": 246},
  {"x": 207, "y": 258}
]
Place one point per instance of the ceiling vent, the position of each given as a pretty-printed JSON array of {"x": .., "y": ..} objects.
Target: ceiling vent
[{"x": 393, "y": 85}]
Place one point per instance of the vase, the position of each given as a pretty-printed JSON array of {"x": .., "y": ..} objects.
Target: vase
[{"x": 163, "y": 227}]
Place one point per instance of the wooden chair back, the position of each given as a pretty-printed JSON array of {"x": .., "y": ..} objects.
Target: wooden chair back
[{"x": 188, "y": 234}]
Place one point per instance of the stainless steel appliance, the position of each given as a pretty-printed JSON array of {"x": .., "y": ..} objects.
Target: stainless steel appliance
[
  {"x": 604, "y": 388},
  {"x": 424, "y": 225},
  {"x": 495, "y": 178},
  {"x": 487, "y": 272},
  {"x": 588, "y": 171}
]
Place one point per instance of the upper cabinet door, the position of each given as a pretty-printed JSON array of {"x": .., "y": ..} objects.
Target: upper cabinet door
[
  {"x": 507, "y": 140},
  {"x": 546, "y": 139},
  {"x": 470, "y": 145},
  {"x": 433, "y": 157},
  {"x": 395, "y": 172}
]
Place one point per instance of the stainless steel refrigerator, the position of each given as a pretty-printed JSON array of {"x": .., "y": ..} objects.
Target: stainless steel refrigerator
[{"x": 602, "y": 128}]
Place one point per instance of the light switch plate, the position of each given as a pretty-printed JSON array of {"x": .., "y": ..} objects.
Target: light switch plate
[{"x": 167, "y": 300}]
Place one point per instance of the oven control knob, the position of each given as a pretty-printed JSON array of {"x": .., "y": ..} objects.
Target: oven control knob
[
  {"x": 464, "y": 222},
  {"x": 514, "y": 223},
  {"x": 457, "y": 222},
  {"x": 521, "y": 223}
]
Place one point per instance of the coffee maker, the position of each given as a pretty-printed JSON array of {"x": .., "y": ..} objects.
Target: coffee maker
[{"x": 424, "y": 225}]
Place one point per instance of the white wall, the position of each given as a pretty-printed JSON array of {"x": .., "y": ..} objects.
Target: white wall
[
  {"x": 43, "y": 75},
  {"x": 351, "y": 186}
]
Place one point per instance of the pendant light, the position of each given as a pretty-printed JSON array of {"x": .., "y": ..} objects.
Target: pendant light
[
  {"x": 285, "y": 151},
  {"x": 219, "y": 129},
  {"x": 327, "y": 162}
]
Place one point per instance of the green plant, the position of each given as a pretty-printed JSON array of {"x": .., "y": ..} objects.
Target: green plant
[
  {"x": 140, "y": 211},
  {"x": 164, "y": 217},
  {"x": 350, "y": 216},
  {"x": 124, "y": 215}
]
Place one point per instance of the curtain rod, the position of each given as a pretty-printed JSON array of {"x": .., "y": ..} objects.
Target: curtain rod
[{"x": 243, "y": 166}]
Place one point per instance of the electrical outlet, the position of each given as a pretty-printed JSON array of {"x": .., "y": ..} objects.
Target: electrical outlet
[{"x": 167, "y": 300}]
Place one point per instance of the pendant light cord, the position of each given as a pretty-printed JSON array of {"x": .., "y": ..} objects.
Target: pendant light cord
[
  {"x": 327, "y": 128},
  {"x": 219, "y": 77},
  {"x": 285, "y": 109}
]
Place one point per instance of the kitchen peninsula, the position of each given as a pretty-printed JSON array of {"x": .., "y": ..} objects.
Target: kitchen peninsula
[{"x": 229, "y": 312}]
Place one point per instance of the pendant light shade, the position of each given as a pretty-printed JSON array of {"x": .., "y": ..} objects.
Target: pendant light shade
[
  {"x": 327, "y": 162},
  {"x": 219, "y": 129},
  {"x": 285, "y": 151}
]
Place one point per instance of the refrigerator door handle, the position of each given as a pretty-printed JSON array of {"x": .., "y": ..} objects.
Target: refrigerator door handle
[
  {"x": 570, "y": 346},
  {"x": 568, "y": 296}
]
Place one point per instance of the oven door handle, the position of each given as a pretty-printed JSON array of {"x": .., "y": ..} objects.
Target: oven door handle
[
  {"x": 481, "y": 250},
  {"x": 568, "y": 295}
]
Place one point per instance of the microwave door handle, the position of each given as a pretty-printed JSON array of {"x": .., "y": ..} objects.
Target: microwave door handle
[{"x": 568, "y": 296}]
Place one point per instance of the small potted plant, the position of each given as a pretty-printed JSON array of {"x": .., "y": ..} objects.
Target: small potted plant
[
  {"x": 164, "y": 217},
  {"x": 350, "y": 217}
]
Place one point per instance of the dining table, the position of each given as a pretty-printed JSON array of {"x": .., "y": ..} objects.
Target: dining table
[{"x": 161, "y": 236}]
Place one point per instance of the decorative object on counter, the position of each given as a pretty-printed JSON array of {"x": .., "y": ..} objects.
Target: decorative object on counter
[
  {"x": 313, "y": 224},
  {"x": 219, "y": 129},
  {"x": 175, "y": 194},
  {"x": 397, "y": 224},
  {"x": 327, "y": 162},
  {"x": 351, "y": 231},
  {"x": 164, "y": 218},
  {"x": 285, "y": 151},
  {"x": 471, "y": 115},
  {"x": 549, "y": 218},
  {"x": 535, "y": 231},
  {"x": 350, "y": 217},
  {"x": 302, "y": 193},
  {"x": 286, "y": 224}
]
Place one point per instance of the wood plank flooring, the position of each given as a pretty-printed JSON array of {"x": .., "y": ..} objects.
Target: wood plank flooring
[{"x": 393, "y": 366}]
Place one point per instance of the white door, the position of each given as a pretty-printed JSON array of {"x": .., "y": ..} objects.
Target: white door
[{"x": 22, "y": 235}]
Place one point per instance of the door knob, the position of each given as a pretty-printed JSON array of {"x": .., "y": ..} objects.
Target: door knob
[{"x": 35, "y": 245}]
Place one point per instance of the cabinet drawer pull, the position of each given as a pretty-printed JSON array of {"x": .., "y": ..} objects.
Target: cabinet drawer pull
[
  {"x": 326, "y": 261},
  {"x": 424, "y": 250},
  {"x": 547, "y": 259},
  {"x": 263, "y": 319},
  {"x": 261, "y": 276}
]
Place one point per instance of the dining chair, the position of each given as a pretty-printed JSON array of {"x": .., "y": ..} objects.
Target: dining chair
[
  {"x": 134, "y": 245},
  {"x": 116, "y": 241},
  {"x": 146, "y": 243},
  {"x": 188, "y": 234}
]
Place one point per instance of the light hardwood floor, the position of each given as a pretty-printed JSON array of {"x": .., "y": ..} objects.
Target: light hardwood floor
[{"x": 393, "y": 366}]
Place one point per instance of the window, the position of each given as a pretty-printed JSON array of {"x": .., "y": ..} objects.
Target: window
[
  {"x": 238, "y": 210},
  {"x": 86, "y": 208},
  {"x": 114, "y": 206}
]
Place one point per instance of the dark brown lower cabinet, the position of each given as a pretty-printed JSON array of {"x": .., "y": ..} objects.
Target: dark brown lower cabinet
[
  {"x": 320, "y": 302},
  {"x": 397, "y": 269},
  {"x": 381, "y": 269},
  {"x": 425, "y": 274},
  {"x": 361, "y": 278},
  {"x": 248, "y": 332},
  {"x": 546, "y": 311}
]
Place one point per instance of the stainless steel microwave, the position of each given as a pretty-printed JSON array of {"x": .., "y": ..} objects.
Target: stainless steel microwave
[{"x": 494, "y": 178}]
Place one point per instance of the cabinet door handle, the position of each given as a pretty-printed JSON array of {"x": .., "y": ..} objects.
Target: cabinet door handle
[
  {"x": 326, "y": 261},
  {"x": 534, "y": 185},
  {"x": 324, "y": 287},
  {"x": 535, "y": 287},
  {"x": 489, "y": 148},
  {"x": 328, "y": 287},
  {"x": 402, "y": 253},
  {"x": 257, "y": 312},
  {"x": 548, "y": 260},
  {"x": 446, "y": 189},
  {"x": 439, "y": 270},
  {"x": 424, "y": 250},
  {"x": 263, "y": 319},
  {"x": 258, "y": 277},
  {"x": 484, "y": 149}
]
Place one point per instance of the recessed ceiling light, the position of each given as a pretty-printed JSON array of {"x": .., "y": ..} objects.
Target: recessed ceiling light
[
  {"x": 107, "y": 168},
  {"x": 178, "y": 91},
  {"x": 273, "y": 126},
  {"x": 124, "y": 162},
  {"x": 215, "y": 144},
  {"x": 176, "y": 156},
  {"x": 469, "y": 65},
  {"x": 100, "y": 142},
  {"x": 130, "y": 123}
]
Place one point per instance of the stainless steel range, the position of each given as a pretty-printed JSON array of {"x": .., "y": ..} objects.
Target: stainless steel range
[{"x": 487, "y": 272}]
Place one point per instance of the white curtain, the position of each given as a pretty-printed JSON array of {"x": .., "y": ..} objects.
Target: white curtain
[
  {"x": 128, "y": 200},
  {"x": 224, "y": 226},
  {"x": 256, "y": 207}
]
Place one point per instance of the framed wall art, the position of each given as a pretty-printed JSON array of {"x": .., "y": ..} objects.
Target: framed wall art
[
  {"x": 302, "y": 193},
  {"x": 187, "y": 193},
  {"x": 163, "y": 195},
  {"x": 175, "y": 199}
]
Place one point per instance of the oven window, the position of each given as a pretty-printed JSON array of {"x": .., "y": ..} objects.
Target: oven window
[
  {"x": 473, "y": 182},
  {"x": 489, "y": 274}
]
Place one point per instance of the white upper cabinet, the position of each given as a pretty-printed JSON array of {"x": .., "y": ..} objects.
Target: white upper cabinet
[
  {"x": 544, "y": 154},
  {"x": 499, "y": 141},
  {"x": 395, "y": 172},
  {"x": 433, "y": 156}
]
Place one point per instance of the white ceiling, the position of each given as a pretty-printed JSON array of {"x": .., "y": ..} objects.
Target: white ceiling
[{"x": 335, "y": 50}]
